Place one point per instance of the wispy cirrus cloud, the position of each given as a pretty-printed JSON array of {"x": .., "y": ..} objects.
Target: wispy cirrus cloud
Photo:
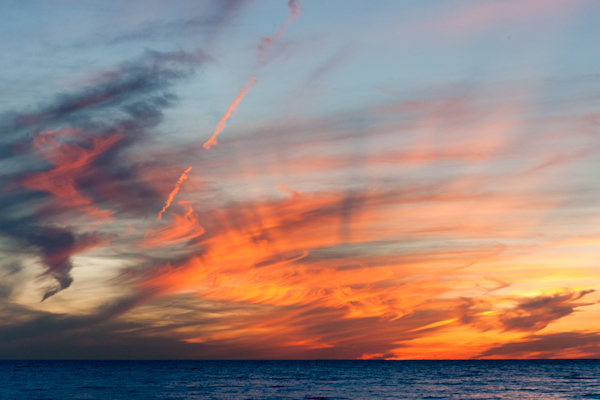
[
  {"x": 430, "y": 222},
  {"x": 77, "y": 138}
]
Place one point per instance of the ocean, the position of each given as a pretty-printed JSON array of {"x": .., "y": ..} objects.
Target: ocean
[{"x": 107, "y": 380}]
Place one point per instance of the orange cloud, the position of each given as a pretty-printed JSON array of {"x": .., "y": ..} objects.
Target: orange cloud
[
  {"x": 183, "y": 227},
  {"x": 272, "y": 254},
  {"x": 71, "y": 154}
]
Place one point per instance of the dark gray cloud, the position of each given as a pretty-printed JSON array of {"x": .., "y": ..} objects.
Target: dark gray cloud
[
  {"x": 530, "y": 314},
  {"x": 53, "y": 244},
  {"x": 29, "y": 334},
  {"x": 22, "y": 323},
  {"x": 553, "y": 345},
  {"x": 535, "y": 313},
  {"x": 136, "y": 89},
  {"x": 121, "y": 106}
]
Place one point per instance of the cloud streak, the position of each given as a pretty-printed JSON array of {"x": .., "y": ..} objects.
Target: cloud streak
[{"x": 408, "y": 210}]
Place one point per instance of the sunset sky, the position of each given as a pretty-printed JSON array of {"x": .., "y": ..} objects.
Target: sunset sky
[{"x": 303, "y": 179}]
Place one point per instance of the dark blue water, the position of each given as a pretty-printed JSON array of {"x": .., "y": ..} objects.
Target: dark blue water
[{"x": 578, "y": 379}]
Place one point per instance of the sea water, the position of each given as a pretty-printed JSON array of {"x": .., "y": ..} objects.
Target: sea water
[{"x": 540, "y": 379}]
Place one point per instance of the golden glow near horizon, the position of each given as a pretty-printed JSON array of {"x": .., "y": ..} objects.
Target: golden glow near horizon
[{"x": 363, "y": 203}]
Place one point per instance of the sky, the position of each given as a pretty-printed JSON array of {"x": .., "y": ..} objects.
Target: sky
[{"x": 303, "y": 179}]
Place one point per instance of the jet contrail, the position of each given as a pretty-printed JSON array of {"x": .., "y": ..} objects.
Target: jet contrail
[
  {"x": 267, "y": 41},
  {"x": 294, "y": 14},
  {"x": 294, "y": 8},
  {"x": 243, "y": 90},
  {"x": 182, "y": 178}
]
